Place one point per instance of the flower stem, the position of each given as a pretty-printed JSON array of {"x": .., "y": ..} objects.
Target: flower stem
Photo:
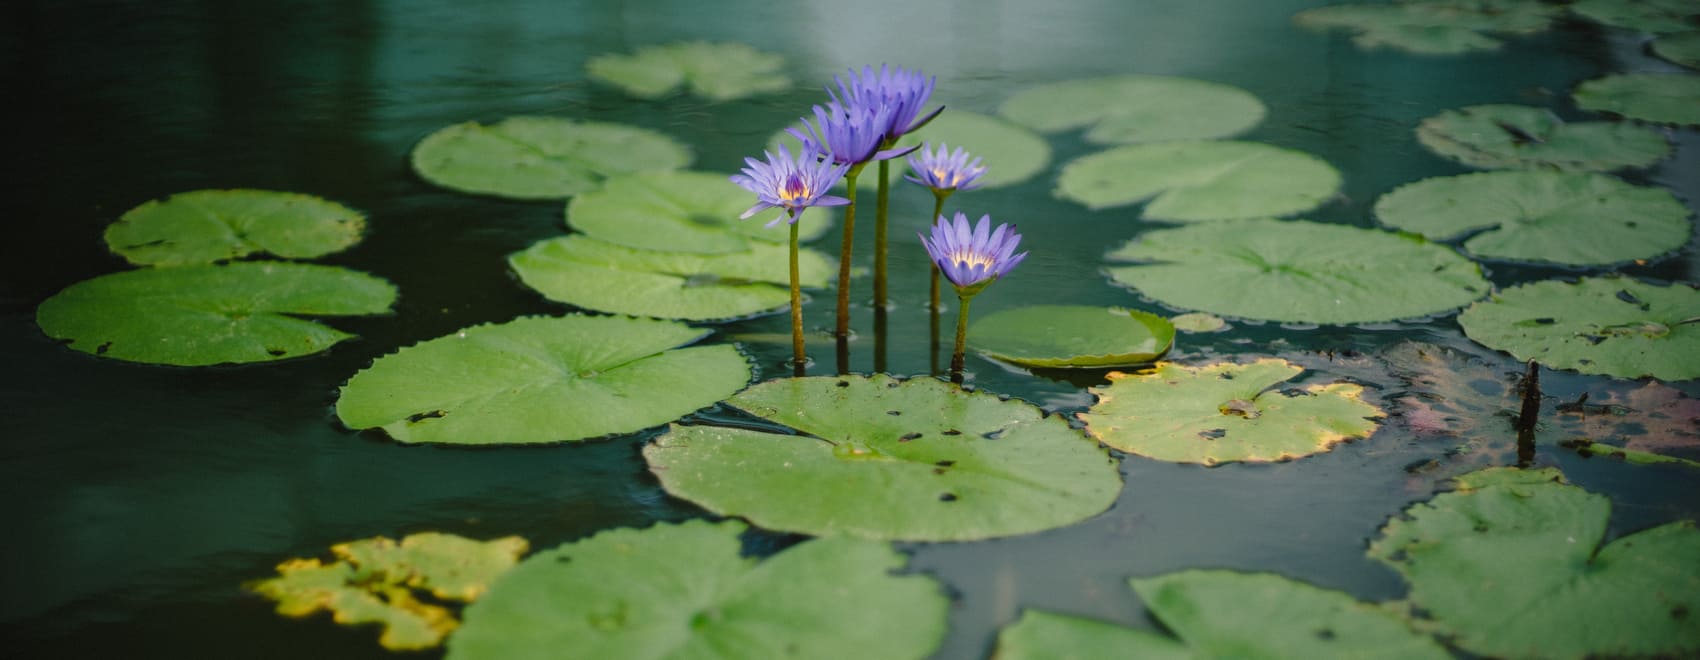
[
  {"x": 933, "y": 295},
  {"x": 957, "y": 360},
  {"x": 843, "y": 330},
  {"x": 881, "y": 201},
  {"x": 798, "y": 359}
]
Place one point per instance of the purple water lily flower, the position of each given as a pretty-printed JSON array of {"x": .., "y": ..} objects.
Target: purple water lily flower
[
  {"x": 973, "y": 258},
  {"x": 792, "y": 184},
  {"x": 905, "y": 91},
  {"x": 849, "y": 135},
  {"x": 944, "y": 170}
]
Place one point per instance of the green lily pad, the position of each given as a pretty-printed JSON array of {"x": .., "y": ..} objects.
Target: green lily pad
[
  {"x": 1198, "y": 322},
  {"x": 1598, "y": 325},
  {"x": 1011, "y": 153},
  {"x": 1435, "y": 27},
  {"x": 918, "y": 460},
  {"x": 683, "y": 591},
  {"x": 541, "y": 157},
  {"x": 211, "y": 314},
  {"x": 1072, "y": 336},
  {"x": 717, "y": 71},
  {"x": 584, "y": 272},
  {"x": 541, "y": 379},
  {"x": 1511, "y": 565},
  {"x": 1273, "y": 270},
  {"x": 1129, "y": 109},
  {"x": 1576, "y": 219},
  {"x": 683, "y": 212},
  {"x": 1226, "y": 412},
  {"x": 1523, "y": 137},
  {"x": 1041, "y": 635},
  {"x": 1655, "y": 16},
  {"x": 1660, "y": 98},
  {"x": 1200, "y": 180},
  {"x": 378, "y": 580},
  {"x": 204, "y": 226},
  {"x": 1682, "y": 48}
]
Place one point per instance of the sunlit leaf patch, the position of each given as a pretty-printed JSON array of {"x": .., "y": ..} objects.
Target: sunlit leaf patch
[
  {"x": 1523, "y": 137},
  {"x": 541, "y": 157},
  {"x": 1189, "y": 181},
  {"x": 1072, "y": 336},
  {"x": 1612, "y": 325},
  {"x": 1431, "y": 27},
  {"x": 1136, "y": 108},
  {"x": 716, "y": 71},
  {"x": 204, "y": 226},
  {"x": 682, "y": 212},
  {"x": 1660, "y": 98}
]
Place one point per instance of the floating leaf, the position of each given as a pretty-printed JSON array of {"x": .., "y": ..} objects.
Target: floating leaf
[
  {"x": 211, "y": 314},
  {"x": 541, "y": 157},
  {"x": 1198, "y": 322},
  {"x": 1656, "y": 16},
  {"x": 1436, "y": 27},
  {"x": 1681, "y": 48},
  {"x": 1602, "y": 325},
  {"x": 1225, "y": 412},
  {"x": 682, "y": 212},
  {"x": 1522, "y": 137},
  {"x": 378, "y": 580},
  {"x": 204, "y": 226},
  {"x": 718, "y": 71},
  {"x": 1273, "y": 270},
  {"x": 683, "y": 591},
  {"x": 1567, "y": 218},
  {"x": 1072, "y": 336},
  {"x": 917, "y": 460},
  {"x": 1661, "y": 98},
  {"x": 1040, "y": 635},
  {"x": 541, "y": 379},
  {"x": 599, "y": 276},
  {"x": 1011, "y": 153},
  {"x": 1511, "y": 565},
  {"x": 1129, "y": 109},
  {"x": 1200, "y": 180}
]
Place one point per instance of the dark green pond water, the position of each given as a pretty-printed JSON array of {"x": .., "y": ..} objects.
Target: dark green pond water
[{"x": 142, "y": 497}]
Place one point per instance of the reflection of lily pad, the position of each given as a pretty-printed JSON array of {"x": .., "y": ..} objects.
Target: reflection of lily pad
[
  {"x": 1511, "y": 565},
  {"x": 204, "y": 226},
  {"x": 682, "y": 212},
  {"x": 1431, "y": 27},
  {"x": 1128, "y": 109},
  {"x": 540, "y": 379},
  {"x": 540, "y": 157},
  {"x": 1656, "y": 16},
  {"x": 1661, "y": 98},
  {"x": 1011, "y": 154},
  {"x": 1272, "y": 270},
  {"x": 718, "y": 71},
  {"x": 1522, "y": 137},
  {"x": 1072, "y": 336},
  {"x": 1600, "y": 325},
  {"x": 378, "y": 580},
  {"x": 1567, "y": 218},
  {"x": 1683, "y": 48},
  {"x": 1200, "y": 180},
  {"x": 683, "y": 591},
  {"x": 582, "y": 271},
  {"x": 888, "y": 459},
  {"x": 201, "y": 315},
  {"x": 1225, "y": 412}
]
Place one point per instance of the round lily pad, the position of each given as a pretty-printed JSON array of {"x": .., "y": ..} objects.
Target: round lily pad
[
  {"x": 204, "y": 226},
  {"x": 541, "y": 379},
  {"x": 1011, "y": 153},
  {"x": 1682, "y": 48},
  {"x": 1655, "y": 16},
  {"x": 541, "y": 157},
  {"x": 1523, "y": 137},
  {"x": 1598, "y": 325},
  {"x": 682, "y": 212},
  {"x": 683, "y": 591},
  {"x": 1431, "y": 27},
  {"x": 211, "y": 314},
  {"x": 1226, "y": 412},
  {"x": 1298, "y": 271},
  {"x": 1568, "y": 218},
  {"x": 918, "y": 460},
  {"x": 717, "y": 71},
  {"x": 1512, "y": 565},
  {"x": 1129, "y": 109},
  {"x": 584, "y": 272},
  {"x": 1072, "y": 336},
  {"x": 1660, "y": 98},
  {"x": 1040, "y": 635},
  {"x": 1200, "y": 180}
]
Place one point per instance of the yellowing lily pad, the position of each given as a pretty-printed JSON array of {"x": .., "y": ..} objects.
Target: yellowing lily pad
[
  {"x": 1188, "y": 181},
  {"x": 541, "y": 157},
  {"x": 1431, "y": 27},
  {"x": 1226, "y": 412},
  {"x": 1129, "y": 109},
  {"x": 682, "y": 212},
  {"x": 1523, "y": 137},
  {"x": 1660, "y": 98},
  {"x": 1597, "y": 325},
  {"x": 880, "y": 458},
  {"x": 204, "y": 226},
  {"x": 381, "y": 581},
  {"x": 1072, "y": 336},
  {"x": 717, "y": 71}
]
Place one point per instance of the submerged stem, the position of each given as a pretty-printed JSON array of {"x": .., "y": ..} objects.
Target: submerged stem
[
  {"x": 843, "y": 329},
  {"x": 957, "y": 360},
  {"x": 881, "y": 201},
  {"x": 798, "y": 358}
]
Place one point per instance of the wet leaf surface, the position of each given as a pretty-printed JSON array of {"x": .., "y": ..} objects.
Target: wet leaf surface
[
  {"x": 1433, "y": 27},
  {"x": 204, "y": 226},
  {"x": 1524, "y": 137},
  {"x": 541, "y": 157},
  {"x": 1190, "y": 181},
  {"x": 1659, "y": 98},
  {"x": 716, "y": 71},
  {"x": 1598, "y": 325},
  {"x": 1129, "y": 109},
  {"x": 683, "y": 212},
  {"x": 1072, "y": 336}
]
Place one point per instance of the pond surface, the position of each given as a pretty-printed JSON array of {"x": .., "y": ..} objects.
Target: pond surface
[{"x": 143, "y": 497}]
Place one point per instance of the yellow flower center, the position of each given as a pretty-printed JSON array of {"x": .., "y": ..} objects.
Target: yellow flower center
[
  {"x": 795, "y": 189},
  {"x": 971, "y": 258}
]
